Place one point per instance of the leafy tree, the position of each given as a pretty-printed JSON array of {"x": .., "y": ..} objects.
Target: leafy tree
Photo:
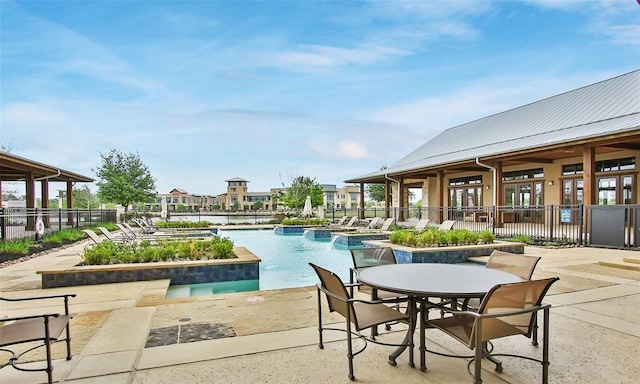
[
  {"x": 376, "y": 191},
  {"x": 235, "y": 206},
  {"x": 216, "y": 207},
  {"x": 301, "y": 187},
  {"x": 124, "y": 179},
  {"x": 83, "y": 198},
  {"x": 257, "y": 206}
]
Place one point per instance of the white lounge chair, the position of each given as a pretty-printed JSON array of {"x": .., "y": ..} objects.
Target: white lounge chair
[{"x": 422, "y": 224}]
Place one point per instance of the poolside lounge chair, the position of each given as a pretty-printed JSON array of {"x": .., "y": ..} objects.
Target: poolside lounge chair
[
  {"x": 422, "y": 224},
  {"x": 359, "y": 314},
  {"x": 506, "y": 310},
  {"x": 114, "y": 238},
  {"x": 386, "y": 224},
  {"x": 447, "y": 225},
  {"x": 340, "y": 222},
  {"x": 373, "y": 224},
  {"x": 42, "y": 329},
  {"x": 93, "y": 236}
]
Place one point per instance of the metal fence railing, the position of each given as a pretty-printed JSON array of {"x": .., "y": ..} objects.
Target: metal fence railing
[{"x": 18, "y": 223}]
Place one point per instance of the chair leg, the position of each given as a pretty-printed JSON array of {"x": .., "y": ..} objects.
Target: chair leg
[
  {"x": 320, "y": 344},
  {"x": 47, "y": 346},
  {"x": 479, "y": 349},
  {"x": 545, "y": 347},
  {"x": 534, "y": 336},
  {"x": 350, "y": 348}
]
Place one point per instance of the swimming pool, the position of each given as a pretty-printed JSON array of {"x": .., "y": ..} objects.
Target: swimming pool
[{"x": 285, "y": 262}]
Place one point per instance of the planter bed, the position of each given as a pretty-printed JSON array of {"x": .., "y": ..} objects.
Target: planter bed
[
  {"x": 244, "y": 267},
  {"x": 448, "y": 255}
]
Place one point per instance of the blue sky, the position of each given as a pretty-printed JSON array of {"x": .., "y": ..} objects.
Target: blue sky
[{"x": 206, "y": 91}]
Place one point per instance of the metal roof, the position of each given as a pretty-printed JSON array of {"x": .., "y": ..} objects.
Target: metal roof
[
  {"x": 13, "y": 168},
  {"x": 608, "y": 107}
]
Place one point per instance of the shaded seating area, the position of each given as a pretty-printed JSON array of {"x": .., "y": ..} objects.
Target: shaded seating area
[
  {"x": 359, "y": 314},
  {"x": 506, "y": 310},
  {"x": 40, "y": 330}
]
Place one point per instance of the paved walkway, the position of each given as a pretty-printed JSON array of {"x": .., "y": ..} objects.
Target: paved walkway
[{"x": 129, "y": 333}]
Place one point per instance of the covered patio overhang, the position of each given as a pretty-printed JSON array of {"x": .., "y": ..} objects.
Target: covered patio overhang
[
  {"x": 16, "y": 168},
  {"x": 587, "y": 148}
]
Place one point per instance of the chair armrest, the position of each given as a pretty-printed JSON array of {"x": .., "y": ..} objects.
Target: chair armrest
[
  {"x": 5, "y": 319},
  {"x": 38, "y": 297},
  {"x": 65, "y": 296},
  {"x": 489, "y": 315}
]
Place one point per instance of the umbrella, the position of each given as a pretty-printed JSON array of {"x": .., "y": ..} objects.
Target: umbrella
[
  {"x": 306, "y": 211},
  {"x": 163, "y": 212}
]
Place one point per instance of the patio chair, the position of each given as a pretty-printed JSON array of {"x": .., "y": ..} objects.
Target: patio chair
[
  {"x": 517, "y": 264},
  {"x": 113, "y": 238},
  {"x": 42, "y": 329},
  {"x": 93, "y": 236},
  {"x": 506, "y": 310},
  {"x": 359, "y": 314},
  {"x": 370, "y": 257},
  {"x": 340, "y": 222},
  {"x": 422, "y": 224},
  {"x": 447, "y": 225},
  {"x": 373, "y": 224}
]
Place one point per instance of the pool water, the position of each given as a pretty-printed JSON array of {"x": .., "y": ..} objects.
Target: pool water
[{"x": 285, "y": 262}]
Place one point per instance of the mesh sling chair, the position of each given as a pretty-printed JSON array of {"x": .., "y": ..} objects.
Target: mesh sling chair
[
  {"x": 517, "y": 264},
  {"x": 506, "y": 310},
  {"x": 44, "y": 329},
  {"x": 359, "y": 314},
  {"x": 371, "y": 257}
]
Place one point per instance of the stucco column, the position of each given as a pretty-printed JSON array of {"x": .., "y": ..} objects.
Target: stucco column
[
  {"x": 30, "y": 189},
  {"x": 589, "y": 175},
  {"x": 387, "y": 194},
  {"x": 69, "y": 203},
  {"x": 440, "y": 191},
  {"x": 499, "y": 193},
  {"x": 44, "y": 198}
]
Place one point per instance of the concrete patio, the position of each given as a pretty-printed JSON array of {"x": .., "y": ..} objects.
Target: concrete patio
[{"x": 129, "y": 332}]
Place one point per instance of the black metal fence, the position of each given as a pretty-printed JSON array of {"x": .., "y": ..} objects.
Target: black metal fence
[
  {"x": 552, "y": 223},
  {"x": 18, "y": 223}
]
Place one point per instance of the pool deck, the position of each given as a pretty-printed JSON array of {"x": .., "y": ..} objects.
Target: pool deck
[{"x": 129, "y": 333}]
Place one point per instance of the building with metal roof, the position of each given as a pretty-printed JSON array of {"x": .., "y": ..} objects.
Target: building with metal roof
[{"x": 571, "y": 148}]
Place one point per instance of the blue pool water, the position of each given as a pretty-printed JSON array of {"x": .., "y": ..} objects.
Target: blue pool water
[
  {"x": 285, "y": 258},
  {"x": 285, "y": 263}
]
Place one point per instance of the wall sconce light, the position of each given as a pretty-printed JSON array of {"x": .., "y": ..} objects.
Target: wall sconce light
[
  {"x": 487, "y": 187},
  {"x": 550, "y": 182}
]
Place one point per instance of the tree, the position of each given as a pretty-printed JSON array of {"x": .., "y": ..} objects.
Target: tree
[
  {"x": 83, "y": 198},
  {"x": 300, "y": 188},
  {"x": 376, "y": 191},
  {"x": 257, "y": 206},
  {"x": 124, "y": 179}
]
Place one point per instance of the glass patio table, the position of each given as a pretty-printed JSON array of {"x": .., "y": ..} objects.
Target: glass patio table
[{"x": 422, "y": 281}]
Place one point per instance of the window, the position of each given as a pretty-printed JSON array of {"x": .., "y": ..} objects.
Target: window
[
  {"x": 536, "y": 173},
  {"x": 466, "y": 180}
]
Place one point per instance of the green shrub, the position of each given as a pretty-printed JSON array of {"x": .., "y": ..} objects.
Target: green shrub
[
  {"x": 299, "y": 221},
  {"x": 521, "y": 238},
  {"x": 183, "y": 224},
  {"x": 169, "y": 249},
  {"x": 435, "y": 237},
  {"x": 16, "y": 246}
]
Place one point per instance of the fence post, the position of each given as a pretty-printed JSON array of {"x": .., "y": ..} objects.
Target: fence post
[
  {"x": 3, "y": 225},
  {"x": 581, "y": 227},
  {"x": 59, "y": 219},
  {"x": 552, "y": 222}
]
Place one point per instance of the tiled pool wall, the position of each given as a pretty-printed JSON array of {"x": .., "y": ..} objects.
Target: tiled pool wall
[
  {"x": 451, "y": 255},
  {"x": 317, "y": 234},
  {"x": 190, "y": 272},
  {"x": 353, "y": 240},
  {"x": 289, "y": 230}
]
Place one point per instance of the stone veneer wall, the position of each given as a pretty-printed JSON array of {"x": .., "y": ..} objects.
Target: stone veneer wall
[{"x": 448, "y": 255}]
